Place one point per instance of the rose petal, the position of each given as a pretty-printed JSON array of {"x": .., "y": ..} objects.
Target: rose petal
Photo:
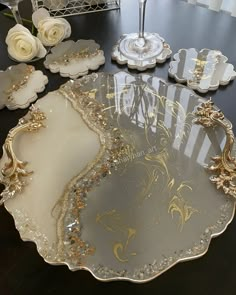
[
  {"x": 52, "y": 31},
  {"x": 68, "y": 28},
  {"x": 17, "y": 28},
  {"x": 41, "y": 49},
  {"x": 39, "y": 15},
  {"x": 22, "y": 45}
]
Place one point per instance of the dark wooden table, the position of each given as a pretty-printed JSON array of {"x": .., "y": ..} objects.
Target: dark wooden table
[{"x": 22, "y": 270}]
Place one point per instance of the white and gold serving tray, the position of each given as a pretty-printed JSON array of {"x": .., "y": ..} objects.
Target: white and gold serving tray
[{"x": 108, "y": 174}]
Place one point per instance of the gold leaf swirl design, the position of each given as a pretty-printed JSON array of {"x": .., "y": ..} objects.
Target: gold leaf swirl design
[
  {"x": 112, "y": 222},
  {"x": 179, "y": 206}
]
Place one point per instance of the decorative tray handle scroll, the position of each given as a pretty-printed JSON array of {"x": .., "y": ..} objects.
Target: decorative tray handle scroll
[
  {"x": 223, "y": 166},
  {"x": 14, "y": 171}
]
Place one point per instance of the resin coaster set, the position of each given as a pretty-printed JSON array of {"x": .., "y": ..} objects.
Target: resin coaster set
[{"x": 134, "y": 149}]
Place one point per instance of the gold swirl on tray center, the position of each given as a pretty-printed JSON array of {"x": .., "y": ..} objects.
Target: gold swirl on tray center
[{"x": 112, "y": 222}]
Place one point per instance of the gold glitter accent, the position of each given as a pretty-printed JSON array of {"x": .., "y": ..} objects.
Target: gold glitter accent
[
  {"x": 19, "y": 85},
  {"x": 112, "y": 147},
  {"x": 203, "y": 67},
  {"x": 67, "y": 58}
]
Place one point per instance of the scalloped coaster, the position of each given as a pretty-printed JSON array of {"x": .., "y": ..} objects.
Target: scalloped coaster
[
  {"x": 74, "y": 59},
  {"x": 19, "y": 86},
  {"x": 141, "y": 65},
  {"x": 202, "y": 70}
]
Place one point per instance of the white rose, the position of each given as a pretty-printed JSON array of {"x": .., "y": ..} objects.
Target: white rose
[
  {"x": 52, "y": 31},
  {"x": 22, "y": 45}
]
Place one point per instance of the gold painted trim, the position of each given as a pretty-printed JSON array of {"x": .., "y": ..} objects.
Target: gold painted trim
[
  {"x": 223, "y": 166},
  {"x": 14, "y": 171}
]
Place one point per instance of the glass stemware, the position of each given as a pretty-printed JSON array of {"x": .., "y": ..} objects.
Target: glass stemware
[
  {"x": 13, "y": 6},
  {"x": 141, "y": 46}
]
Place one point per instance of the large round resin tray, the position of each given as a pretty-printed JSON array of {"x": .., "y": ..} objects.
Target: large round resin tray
[{"x": 119, "y": 185}]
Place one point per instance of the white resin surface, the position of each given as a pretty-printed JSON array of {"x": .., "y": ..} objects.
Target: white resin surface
[{"x": 55, "y": 154}]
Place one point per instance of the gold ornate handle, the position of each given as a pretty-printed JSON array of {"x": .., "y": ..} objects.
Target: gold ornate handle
[
  {"x": 223, "y": 166},
  {"x": 14, "y": 171}
]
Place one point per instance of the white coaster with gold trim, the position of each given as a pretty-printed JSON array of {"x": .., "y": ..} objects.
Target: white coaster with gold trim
[
  {"x": 74, "y": 59},
  {"x": 19, "y": 86}
]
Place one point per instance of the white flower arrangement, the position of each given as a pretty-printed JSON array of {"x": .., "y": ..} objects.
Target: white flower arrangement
[
  {"x": 24, "y": 47},
  {"x": 51, "y": 31}
]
